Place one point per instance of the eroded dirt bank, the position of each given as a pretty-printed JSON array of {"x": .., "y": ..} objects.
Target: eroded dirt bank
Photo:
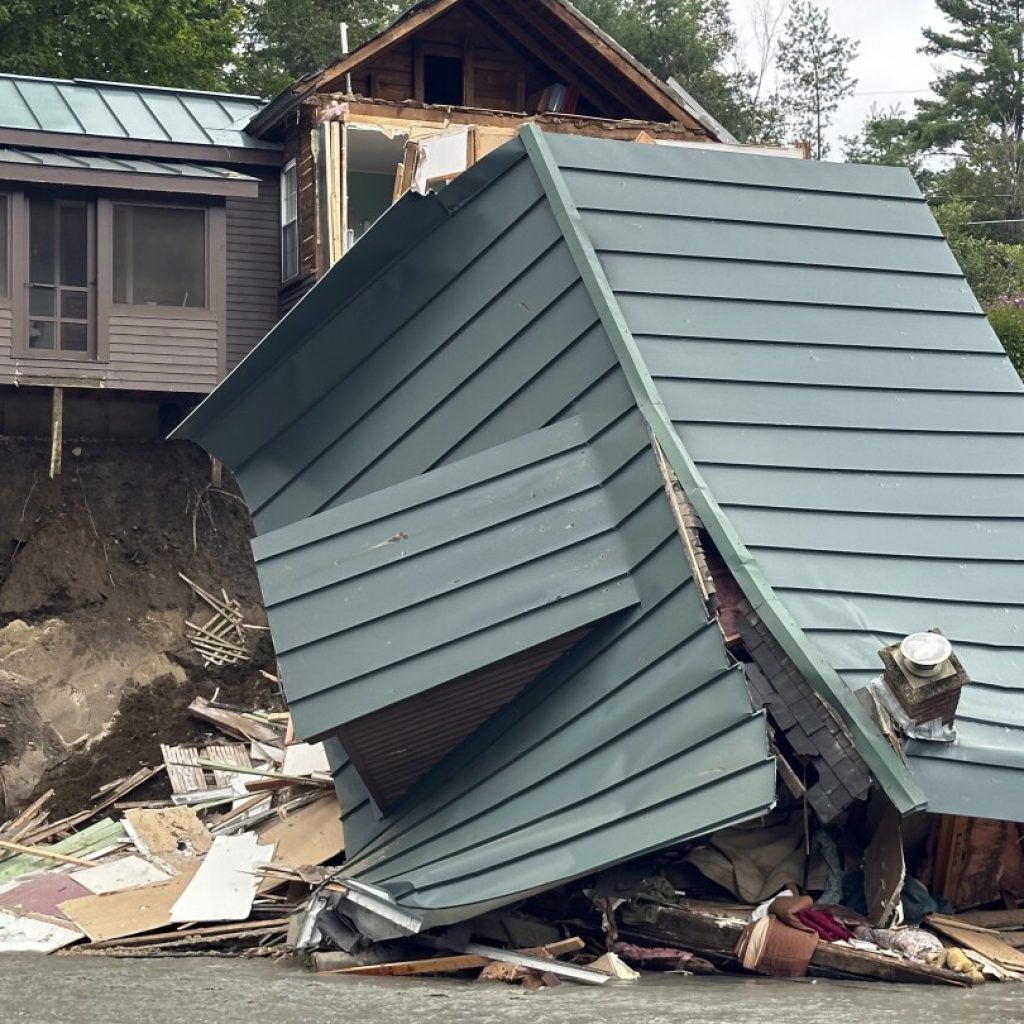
[{"x": 95, "y": 670}]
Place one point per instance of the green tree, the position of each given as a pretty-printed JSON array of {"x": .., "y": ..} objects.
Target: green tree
[
  {"x": 814, "y": 64},
  {"x": 888, "y": 138},
  {"x": 978, "y": 113},
  {"x": 284, "y": 40},
  {"x": 184, "y": 43},
  {"x": 690, "y": 40}
]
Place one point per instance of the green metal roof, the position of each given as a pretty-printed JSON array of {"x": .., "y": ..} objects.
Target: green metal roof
[
  {"x": 122, "y": 111},
  {"x": 130, "y": 172},
  {"x": 840, "y": 411}
]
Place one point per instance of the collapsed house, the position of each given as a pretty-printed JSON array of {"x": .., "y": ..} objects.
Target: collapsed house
[
  {"x": 589, "y": 489},
  {"x": 447, "y": 83}
]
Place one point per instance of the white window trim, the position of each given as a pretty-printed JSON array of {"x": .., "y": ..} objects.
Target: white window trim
[{"x": 289, "y": 168}]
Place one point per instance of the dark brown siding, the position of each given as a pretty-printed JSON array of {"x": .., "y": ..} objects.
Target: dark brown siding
[{"x": 253, "y": 268}]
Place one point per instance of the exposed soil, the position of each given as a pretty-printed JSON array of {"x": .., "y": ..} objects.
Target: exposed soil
[{"x": 95, "y": 670}]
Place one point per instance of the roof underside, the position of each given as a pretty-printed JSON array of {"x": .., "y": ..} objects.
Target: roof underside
[
  {"x": 859, "y": 427},
  {"x": 121, "y": 111}
]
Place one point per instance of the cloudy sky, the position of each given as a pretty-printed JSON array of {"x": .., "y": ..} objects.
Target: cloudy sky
[{"x": 889, "y": 68}]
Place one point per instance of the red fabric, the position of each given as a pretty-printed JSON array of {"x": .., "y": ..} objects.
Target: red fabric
[{"x": 827, "y": 927}]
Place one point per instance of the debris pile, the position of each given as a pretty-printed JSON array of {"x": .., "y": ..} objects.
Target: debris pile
[{"x": 217, "y": 866}]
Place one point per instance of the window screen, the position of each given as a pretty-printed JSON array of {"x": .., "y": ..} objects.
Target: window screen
[
  {"x": 289, "y": 222},
  {"x": 159, "y": 256}
]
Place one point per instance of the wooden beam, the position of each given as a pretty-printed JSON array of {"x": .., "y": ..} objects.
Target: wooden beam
[
  {"x": 56, "y": 432},
  {"x": 489, "y": 13},
  {"x": 644, "y": 82},
  {"x": 44, "y": 854},
  {"x": 379, "y": 43}
]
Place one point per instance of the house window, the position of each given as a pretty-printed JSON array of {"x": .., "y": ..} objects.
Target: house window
[
  {"x": 60, "y": 296},
  {"x": 160, "y": 256},
  {"x": 4, "y": 246},
  {"x": 442, "y": 80},
  {"x": 289, "y": 221}
]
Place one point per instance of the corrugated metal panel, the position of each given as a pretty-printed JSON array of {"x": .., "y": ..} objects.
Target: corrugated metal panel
[
  {"x": 253, "y": 268},
  {"x": 826, "y": 367},
  {"x": 123, "y": 111}
]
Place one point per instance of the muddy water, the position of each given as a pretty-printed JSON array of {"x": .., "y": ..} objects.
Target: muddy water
[{"x": 61, "y": 990}]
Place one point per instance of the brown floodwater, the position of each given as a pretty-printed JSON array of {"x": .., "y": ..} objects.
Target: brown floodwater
[{"x": 81, "y": 990}]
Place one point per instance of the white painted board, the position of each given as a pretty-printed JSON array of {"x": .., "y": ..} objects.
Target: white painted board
[
  {"x": 225, "y": 884},
  {"x": 305, "y": 759},
  {"x": 126, "y": 873},
  {"x": 33, "y": 933}
]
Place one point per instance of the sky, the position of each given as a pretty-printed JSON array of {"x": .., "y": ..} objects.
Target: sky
[{"x": 889, "y": 69}]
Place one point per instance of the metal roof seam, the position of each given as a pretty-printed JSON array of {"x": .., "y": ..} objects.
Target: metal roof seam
[
  {"x": 28, "y": 106},
  {"x": 891, "y": 772}
]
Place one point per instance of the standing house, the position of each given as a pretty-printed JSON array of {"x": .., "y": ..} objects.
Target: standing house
[
  {"x": 634, "y": 460},
  {"x": 448, "y": 82},
  {"x": 139, "y": 249}
]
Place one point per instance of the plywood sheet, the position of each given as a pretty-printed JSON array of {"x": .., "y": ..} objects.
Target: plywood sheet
[
  {"x": 225, "y": 884},
  {"x": 117, "y": 915},
  {"x": 311, "y": 835},
  {"x": 126, "y": 873},
  {"x": 988, "y": 944},
  {"x": 173, "y": 836}
]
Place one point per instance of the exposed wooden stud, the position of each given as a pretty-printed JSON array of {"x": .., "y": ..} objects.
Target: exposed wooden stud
[
  {"x": 56, "y": 432},
  {"x": 216, "y": 473}
]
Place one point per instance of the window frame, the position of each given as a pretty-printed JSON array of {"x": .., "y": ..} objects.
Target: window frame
[
  {"x": 290, "y": 168},
  {"x": 149, "y": 309},
  {"x": 20, "y": 233},
  {"x": 7, "y": 278}
]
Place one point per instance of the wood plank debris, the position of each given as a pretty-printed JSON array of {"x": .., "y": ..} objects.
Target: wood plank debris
[
  {"x": 221, "y": 640},
  {"x": 98, "y": 838},
  {"x": 988, "y": 943},
  {"x": 117, "y": 915},
  {"x": 311, "y": 835},
  {"x": 226, "y": 882},
  {"x": 172, "y": 837}
]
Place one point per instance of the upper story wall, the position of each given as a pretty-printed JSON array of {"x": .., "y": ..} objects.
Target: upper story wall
[{"x": 201, "y": 293}]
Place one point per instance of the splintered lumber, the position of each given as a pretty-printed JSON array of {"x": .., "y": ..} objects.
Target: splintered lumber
[
  {"x": 308, "y": 837},
  {"x": 989, "y": 944},
  {"x": 95, "y": 839},
  {"x": 994, "y": 919},
  {"x": 459, "y": 962},
  {"x": 234, "y": 723},
  {"x": 18, "y": 827},
  {"x": 208, "y": 933},
  {"x": 114, "y": 792},
  {"x": 42, "y": 851},
  {"x": 715, "y": 937},
  {"x": 406, "y": 968}
]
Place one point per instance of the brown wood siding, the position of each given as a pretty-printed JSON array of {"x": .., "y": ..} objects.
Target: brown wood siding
[
  {"x": 253, "y": 268},
  {"x": 498, "y": 71},
  {"x": 147, "y": 353}
]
